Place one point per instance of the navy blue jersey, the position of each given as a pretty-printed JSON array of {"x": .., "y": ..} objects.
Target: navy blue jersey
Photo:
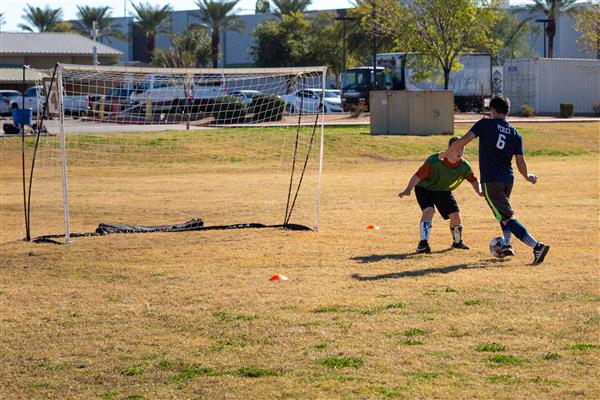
[{"x": 498, "y": 142}]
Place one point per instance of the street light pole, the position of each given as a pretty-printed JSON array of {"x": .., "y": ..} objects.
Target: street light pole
[{"x": 343, "y": 16}]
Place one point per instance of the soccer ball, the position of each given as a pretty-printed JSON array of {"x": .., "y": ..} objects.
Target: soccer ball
[{"x": 496, "y": 246}]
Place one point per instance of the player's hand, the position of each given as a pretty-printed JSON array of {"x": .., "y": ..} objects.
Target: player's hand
[
  {"x": 532, "y": 178},
  {"x": 404, "y": 193}
]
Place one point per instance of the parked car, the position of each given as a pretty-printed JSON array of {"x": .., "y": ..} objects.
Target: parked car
[
  {"x": 7, "y": 97},
  {"x": 309, "y": 100},
  {"x": 34, "y": 99},
  {"x": 246, "y": 95},
  {"x": 168, "y": 93},
  {"x": 116, "y": 101}
]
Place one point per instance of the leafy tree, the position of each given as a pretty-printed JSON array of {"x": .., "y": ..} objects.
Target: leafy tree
[
  {"x": 374, "y": 17},
  {"x": 552, "y": 9},
  {"x": 1, "y": 20},
  {"x": 442, "y": 30},
  {"x": 324, "y": 45},
  {"x": 587, "y": 22},
  {"x": 281, "y": 43},
  {"x": 102, "y": 16},
  {"x": 153, "y": 21},
  {"x": 288, "y": 7},
  {"x": 189, "y": 49},
  {"x": 508, "y": 38},
  {"x": 218, "y": 16},
  {"x": 41, "y": 19}
]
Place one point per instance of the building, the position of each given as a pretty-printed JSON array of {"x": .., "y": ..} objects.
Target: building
[{"x": 44, "y": 50}]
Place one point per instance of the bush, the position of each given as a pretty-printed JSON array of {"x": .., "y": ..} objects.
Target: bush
[
  {"x": 267, "y": 107},
  {"x": 527, "y": 110},
  {"x": 596, "y": 108},
  {"x": 567, "y": 110},
  {"x": 229, "y": 110},
  {"x": 357, "y": 109}
]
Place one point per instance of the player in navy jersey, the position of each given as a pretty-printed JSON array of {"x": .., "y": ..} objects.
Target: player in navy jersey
[{"x": 498, "y": 143}]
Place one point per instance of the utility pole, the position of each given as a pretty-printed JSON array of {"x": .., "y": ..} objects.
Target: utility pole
[
  {"x": 95, "y": 38},
  {"x": 343, "y": 16}
]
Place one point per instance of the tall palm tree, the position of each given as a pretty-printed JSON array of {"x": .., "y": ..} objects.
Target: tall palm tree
[
  {"x": 87, "y": 15},
  {"x": 153, "y": 21},
  {"x": 218, "y": 16},
  {"x": 552, "y": 9},
  {"x": 41, "y": 19},
  {"x": 288, "y": 7}
]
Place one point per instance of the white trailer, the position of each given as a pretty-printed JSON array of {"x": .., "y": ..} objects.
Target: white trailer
[{"x": 545, "y": 83}]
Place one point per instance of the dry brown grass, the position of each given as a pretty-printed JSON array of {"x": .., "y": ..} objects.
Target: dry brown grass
[{"x": 192, "y": 315}]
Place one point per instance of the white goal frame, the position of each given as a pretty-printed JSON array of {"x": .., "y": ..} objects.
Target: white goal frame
[{"x": 61, "y": 68}]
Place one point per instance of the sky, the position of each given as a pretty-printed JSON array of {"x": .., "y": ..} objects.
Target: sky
[{"x": 13, "y": 9}]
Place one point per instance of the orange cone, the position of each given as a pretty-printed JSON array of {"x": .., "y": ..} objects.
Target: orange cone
[
  {"x": 278, "y": 277},
  {"x": 371, "y": 226}
]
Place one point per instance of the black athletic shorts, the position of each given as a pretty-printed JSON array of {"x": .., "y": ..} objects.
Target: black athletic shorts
[
  {"x": 443, "y": 201},
  {"x": 497, "y": 195}
]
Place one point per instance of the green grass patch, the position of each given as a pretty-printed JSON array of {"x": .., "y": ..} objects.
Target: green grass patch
[
  {"x": 422, "y": 375},
  {"x": 133, "y": 371},
  {"x": 490, "y": 347},
  {"x": 411, "y": 342},
  {"x": 414, "y": 332},
  {"x": 320, "y": 346},
  {"x": 109, "y": 395},
  {"x": 505, "y": 359},
  {"x": 336, "y": 362},
  {"x": 584, "y": 346},
  {"x": 473, "y": 302},
  {"x": 253, "y": 372},
  {"x": 226, "y": 317},
  {"x": 59, "y": 366},
  {"x": 449, "y": 290},
  {"x": 394, "y": 305},
  {"x": 329, "y": 309},
  {"x": 191, "y": 371}
]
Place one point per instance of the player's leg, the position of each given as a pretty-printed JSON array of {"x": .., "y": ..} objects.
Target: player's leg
[
  {"x": 425, "y": 200},
  {"x": 448, "y": 208},
  {"x": 507, "y": 249},
  {"x": 497, "y": 195}
]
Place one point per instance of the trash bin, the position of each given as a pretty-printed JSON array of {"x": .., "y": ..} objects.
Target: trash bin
[{"x": 22, "y": 116}]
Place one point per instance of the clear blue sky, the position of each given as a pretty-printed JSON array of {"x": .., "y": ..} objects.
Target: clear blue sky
[{"x": 13, "y": 9}]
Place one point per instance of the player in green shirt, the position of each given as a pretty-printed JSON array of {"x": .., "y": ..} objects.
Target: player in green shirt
[{"x": 433, "y": 184}]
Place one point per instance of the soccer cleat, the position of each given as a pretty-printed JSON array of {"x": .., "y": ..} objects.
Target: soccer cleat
[
  {"x": 423, "y": 247},
  {"x": 539, "y": 253},
  {"x": 507, "y": 250},
  {"x": 460, "y": 245}
]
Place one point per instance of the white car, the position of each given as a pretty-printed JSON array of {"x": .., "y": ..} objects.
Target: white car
[
  {"x": 35, "y": 99},
  {"x": 309, "y": 100},
  {"x": 7, "y": 97},
  {"x": 246, "y": 95}
]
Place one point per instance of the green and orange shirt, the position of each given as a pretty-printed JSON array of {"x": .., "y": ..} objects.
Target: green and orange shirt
[{"x": 442, "y": 175}]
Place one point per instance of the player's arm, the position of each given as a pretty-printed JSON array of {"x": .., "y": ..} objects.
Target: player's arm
[
  {"x": 475, "y": 183},
  {"x": 522, "y": 167},
  {"x": 423, "y": 173},
  {"x": 410, "y": 186},
  {"x": 459, "y": 144}
]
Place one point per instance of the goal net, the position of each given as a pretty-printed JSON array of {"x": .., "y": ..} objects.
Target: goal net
[{"x": 144, "y": 146}]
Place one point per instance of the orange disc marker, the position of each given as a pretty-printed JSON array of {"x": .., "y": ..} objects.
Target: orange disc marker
[
  {"x": 278, "y": 277},
  {"x": 371, "y": 226}
]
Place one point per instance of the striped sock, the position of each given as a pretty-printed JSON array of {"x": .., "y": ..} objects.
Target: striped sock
[
  {"x": 529, "y": 241},
  {"x": 425, "y": 230},
  {"x": 506, "y": 233}
]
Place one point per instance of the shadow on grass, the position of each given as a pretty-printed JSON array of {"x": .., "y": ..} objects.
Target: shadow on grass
[
  {"x": 427, "y": 271},
  {"x": 379, "y": 257}
]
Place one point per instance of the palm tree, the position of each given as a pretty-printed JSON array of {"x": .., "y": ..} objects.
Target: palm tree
[
  {"x": 218, "y": 16},
  {"x": 41, "y": 19},
  {"x": 552, "y": 9},
  {"x": 1, "y": 20},
  {"x": 102, "y": 16},
  {"x": 153, "y": 21},
  {"x": 189, "y": 49},
  {"x": 288, "y": 7}
]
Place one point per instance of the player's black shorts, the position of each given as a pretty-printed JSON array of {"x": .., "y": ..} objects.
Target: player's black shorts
[
  {"x": 497, "y": 195},
  {"x": 443, "y": 201}
]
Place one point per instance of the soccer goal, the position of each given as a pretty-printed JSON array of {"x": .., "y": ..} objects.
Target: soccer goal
[{"x": 165, "y": 147}]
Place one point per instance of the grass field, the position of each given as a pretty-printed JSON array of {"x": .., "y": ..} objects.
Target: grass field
[{"x": 193, "y": 316}]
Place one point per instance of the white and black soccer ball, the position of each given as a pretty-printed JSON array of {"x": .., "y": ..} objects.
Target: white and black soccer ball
[{"x": 496, "y": 246}]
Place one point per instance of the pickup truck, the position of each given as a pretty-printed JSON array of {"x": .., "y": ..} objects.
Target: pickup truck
[
  {"x": 166, "y": 93},
  {"x": 34, "y": 98}
]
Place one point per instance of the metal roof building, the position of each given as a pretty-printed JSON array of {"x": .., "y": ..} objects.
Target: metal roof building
[{"x": 43, "y": 50}]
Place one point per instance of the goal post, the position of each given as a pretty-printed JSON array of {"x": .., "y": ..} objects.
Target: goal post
[{"x": 156, "y": 146}]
